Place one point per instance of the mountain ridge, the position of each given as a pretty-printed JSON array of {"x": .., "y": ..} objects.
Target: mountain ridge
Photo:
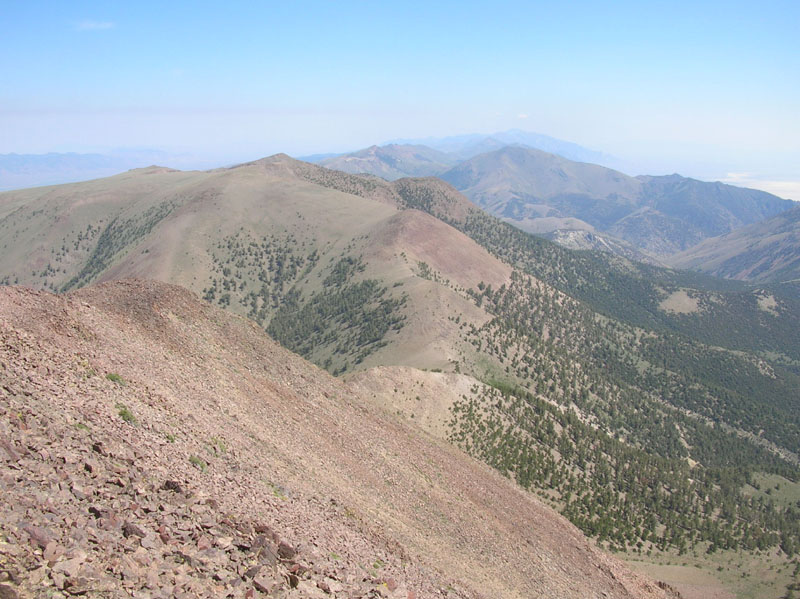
[
  {"x": 611, "y": 361},
  {"x": 392, "y": 161},
  {"x": 647, "y": 217},
  {"x": 468, "y": 145}
]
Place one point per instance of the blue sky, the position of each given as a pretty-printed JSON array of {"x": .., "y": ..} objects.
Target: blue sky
[{"x": 704, "y": 88}]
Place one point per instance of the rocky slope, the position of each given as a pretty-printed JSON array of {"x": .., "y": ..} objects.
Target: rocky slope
[
  {"x": 581, "y": 239},
  {"x": 154, "y": 446}
]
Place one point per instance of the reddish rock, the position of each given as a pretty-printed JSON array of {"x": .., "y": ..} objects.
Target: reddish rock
[
  {"x": 310, "y": 591},
  {"x": 152, "y": 579},
  {"x": 266, "y": 530},
  {"x": 264, "y": 581},
  {"x": 40, "y": 536},
  {"x": 77, "y": 587},
  {"x": 172, "y": 485},
  {"x": 286, "y": 551},
  {"x": 9, "y": 450},
  {"x": 298, "y": 569},
  {"x": 117, "y": 499},
  {"x": 7, "y": 592},
  {"x": 98, "y": 447},
  {"x": 203, "y": 543},
  {"x": 265, "y": 550},
  {"x": 224, "y": 542},
  {"x": 69, "y": 567},
  {"x": 52, "y": 551},
  {"x": 58, "y": 579},
  {"x": 130, "y": 529},
  {"x": 92, "y": 467}
]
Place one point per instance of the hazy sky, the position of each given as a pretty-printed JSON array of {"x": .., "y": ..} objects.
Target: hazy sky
[{"x": 709, "y": 89}]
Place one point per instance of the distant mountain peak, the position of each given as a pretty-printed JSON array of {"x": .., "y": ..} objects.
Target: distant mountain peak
[
  {"x": 153, "y": 168},
  {"x": 468, "y": 145}
]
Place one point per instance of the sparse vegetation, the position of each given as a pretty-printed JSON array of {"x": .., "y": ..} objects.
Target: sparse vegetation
[
  {"x": 278, "y": 491},
  {"x": 125, "y": 413},
  {"x": 198, "y": 463},
  {"x": 350, "y": 317},
  {"x": 115, "y": 378},
  {"x": 218, "y": 446},
  {"x": 118, "y": 236},
  {"x": 654, "y": 429}
]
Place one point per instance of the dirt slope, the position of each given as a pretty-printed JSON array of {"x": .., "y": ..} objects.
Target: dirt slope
[{"x": 218, "y": 464}]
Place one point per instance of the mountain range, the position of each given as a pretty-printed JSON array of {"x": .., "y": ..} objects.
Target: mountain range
[
  {"x": 766, "y": 251},
  {"x": 659, "y": 215},
  {"x": 463, "y": 147},
  {"x": 392, "y": 161},
  {"x": 432, "y": 156},
  {"x": 644, "y": 218},
  {"x": 628, "y": 397},
  {"x": 560, "y": 192}
]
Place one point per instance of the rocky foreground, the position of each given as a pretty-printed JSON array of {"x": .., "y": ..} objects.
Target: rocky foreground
[{"x": 154, "y": 446}]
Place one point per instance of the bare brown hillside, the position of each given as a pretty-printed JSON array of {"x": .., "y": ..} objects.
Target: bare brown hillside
[{"x": 154, "y": 446}]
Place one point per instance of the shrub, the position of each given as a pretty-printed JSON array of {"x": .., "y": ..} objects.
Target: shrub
[
  {"x": 126, "y": 414},
  {"x": 198, "y": 463},
  {"x": 115, "y": 378}
]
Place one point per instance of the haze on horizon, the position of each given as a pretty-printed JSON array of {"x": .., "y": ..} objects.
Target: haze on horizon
[{"x": 708, "y": 89}]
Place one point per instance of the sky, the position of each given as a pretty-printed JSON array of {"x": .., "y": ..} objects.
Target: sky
[{"x": 706, "y": 89}]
